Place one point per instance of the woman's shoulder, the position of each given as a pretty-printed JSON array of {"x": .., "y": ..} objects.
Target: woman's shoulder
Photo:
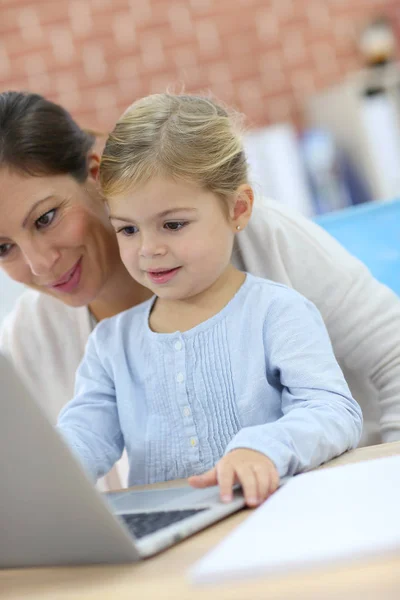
[
  {"x": 37, "y": 305},
  {"x": 272, "y": 213},
  {"x": 281, "y": 226},
  {"x": 282, "y": 245},
  {"x": 36, "y": 313},
  {"x": 45, "y": 341},
  {"x": 31, "y": 300}
]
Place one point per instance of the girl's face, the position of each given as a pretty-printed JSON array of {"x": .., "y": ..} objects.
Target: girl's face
[
  {"x": 55, "y": 236},
  {"x": 174, "y": 237}
]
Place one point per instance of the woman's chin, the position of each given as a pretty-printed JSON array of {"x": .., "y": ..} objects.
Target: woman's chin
[{"x": 75, "y": 300}]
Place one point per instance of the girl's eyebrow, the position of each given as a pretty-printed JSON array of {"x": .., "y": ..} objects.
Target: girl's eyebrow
[
  {"x": 170, "y": 211},
  {"x": 160, "y": 215}
]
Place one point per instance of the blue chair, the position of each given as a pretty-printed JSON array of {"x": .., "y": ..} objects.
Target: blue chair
[{"x": 372, "y": 233}]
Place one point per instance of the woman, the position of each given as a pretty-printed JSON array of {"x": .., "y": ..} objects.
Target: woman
[{"x": 55, "y": 238}]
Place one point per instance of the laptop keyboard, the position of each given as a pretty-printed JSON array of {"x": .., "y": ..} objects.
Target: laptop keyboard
[{"x": 141, "y": 524}]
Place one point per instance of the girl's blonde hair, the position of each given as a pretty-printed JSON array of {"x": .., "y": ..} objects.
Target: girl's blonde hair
[{"x": 180, "y": 136}]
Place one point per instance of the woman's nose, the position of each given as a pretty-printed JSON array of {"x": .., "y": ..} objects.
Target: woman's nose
[{"x": 41, "y": 258}]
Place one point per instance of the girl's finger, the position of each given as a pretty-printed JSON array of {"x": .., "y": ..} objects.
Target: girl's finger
[
  {"x": 226, "y": 479},
  {"x": 263, "y": 477},
  {"x": 204, "y": 480},
  {"x": 248, "y": 480},
  {"x": 274, "y": 481}
]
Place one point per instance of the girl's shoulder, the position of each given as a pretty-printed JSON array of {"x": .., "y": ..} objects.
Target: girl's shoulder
[
  {"x": 274, "y": 306},
  {"x": 265, "y": 300},
  {"x": 264, "y": 289}
]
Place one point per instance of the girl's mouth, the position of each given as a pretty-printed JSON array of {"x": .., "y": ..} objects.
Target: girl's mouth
[{"x": 162, "y": 275}]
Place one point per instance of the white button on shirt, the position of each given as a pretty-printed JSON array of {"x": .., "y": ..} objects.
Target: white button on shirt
[
  {"x": 186, "y": 411},
  {"x": 178, "y": 345},
  {"x": 193, "y": 442},
  {"x": 180, "y": 377}
]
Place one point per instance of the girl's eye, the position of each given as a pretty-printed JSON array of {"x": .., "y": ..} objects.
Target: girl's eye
[
  {"x": 45, "y": 219},
  {"x": 5, "y": 249},
  {"x": 128, "y": 230},
  {"x": 175, "y": 225}
]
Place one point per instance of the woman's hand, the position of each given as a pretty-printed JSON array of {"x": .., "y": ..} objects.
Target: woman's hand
[{"x": 255, "y": 472}]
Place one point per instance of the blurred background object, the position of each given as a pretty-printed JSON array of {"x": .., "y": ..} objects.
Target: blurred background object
[
  {"x": 276, "y": 167},
  {"x": 371, "y": 232},
  {"x": 362, "y": 111},
  {"x": 377, "y": 42},
  {"x": 266, "y": 58},
  {"x": 317, "y": 80},
  {"x": 334, "y": 180},
  {"x": 263, "y": 56}
]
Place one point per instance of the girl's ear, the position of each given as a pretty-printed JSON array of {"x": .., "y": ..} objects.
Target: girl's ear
[{"x": 242, "y": 207}]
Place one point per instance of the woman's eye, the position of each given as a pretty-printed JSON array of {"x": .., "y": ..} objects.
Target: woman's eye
[
  {"x": 5, "y": 249},
  {"x": 128, "y": 230},
  {"x": 175, "y": 225},
  {"x": 45, "y": 219}
]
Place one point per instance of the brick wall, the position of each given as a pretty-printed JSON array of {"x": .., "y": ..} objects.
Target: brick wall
[{"x": 262, "y": 56}]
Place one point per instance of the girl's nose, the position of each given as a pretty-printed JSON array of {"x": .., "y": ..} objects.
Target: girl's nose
[{"x": 151, "y": 246}]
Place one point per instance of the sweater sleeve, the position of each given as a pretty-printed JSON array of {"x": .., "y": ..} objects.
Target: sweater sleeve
[
  {"x": 90, "y": 423},
  {"x": 362, "y": 316},
  {"x": 320, "y": 419}
]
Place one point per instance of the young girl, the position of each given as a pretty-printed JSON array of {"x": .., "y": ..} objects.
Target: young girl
[{"x": 222, "y": 376}]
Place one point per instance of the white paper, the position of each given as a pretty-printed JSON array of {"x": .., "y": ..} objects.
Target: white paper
[{"x": 320, "y": 517}]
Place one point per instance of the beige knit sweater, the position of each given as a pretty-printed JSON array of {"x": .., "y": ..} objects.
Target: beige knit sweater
[{"x": 46, "y": 339}]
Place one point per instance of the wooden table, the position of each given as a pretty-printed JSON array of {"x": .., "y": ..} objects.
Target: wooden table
[{"x": 164, "y": 576}]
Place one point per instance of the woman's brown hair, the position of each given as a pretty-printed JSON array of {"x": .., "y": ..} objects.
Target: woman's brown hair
[{"x": 39, "y": 137}]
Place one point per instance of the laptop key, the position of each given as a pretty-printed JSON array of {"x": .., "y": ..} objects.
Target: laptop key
[{"x": 141, "y": 524}]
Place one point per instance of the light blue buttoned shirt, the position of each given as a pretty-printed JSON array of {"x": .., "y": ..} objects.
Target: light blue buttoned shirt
[{"x": 260, "y": 374}]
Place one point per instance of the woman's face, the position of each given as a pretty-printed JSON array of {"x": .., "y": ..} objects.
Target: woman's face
[{"x": 55, "y": 235}]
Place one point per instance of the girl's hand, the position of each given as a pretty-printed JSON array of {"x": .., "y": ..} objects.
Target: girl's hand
[{"x": 255, "y": 472}]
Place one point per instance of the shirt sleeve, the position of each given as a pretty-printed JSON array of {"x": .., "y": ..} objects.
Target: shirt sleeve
[
  {"x": 320, "y": 419},
  {"x": 89, "y": 423}
]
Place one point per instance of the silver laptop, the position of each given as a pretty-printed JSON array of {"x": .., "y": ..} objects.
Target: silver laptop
[{"x": 50, "y": 512}]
